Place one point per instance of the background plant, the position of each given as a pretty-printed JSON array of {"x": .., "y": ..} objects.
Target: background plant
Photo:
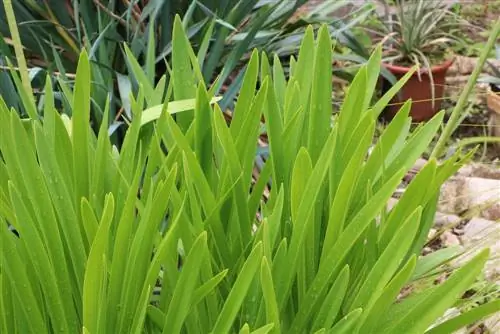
[
  {"x": 419, "y": 32},
  {"x": 221, "y": 33}
]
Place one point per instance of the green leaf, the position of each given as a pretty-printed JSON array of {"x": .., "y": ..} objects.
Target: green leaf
[
  {"x": 247, "y": 92},
  {"x": 182, "y": 74},
  {"x": 272, "y": 310},
  {"x": 433, "y": 260},
  {"x": 347, "y": 323},
  {"x": 208, "y": 287},
  {"x": 303, "y": 218},
  {"x": 389, "y": 143},
  {"x": 43, "y": 269},
  {"x": 334, "y": 259},
  {"x": 372, "y": 75},
  {"x": 301, "y": 173},
  {"x": 80, "y": 129},
  {"x": 418, "y": 319},
  {"x": 464, "y": 319},
  {"x": 302, "y": 170},
  {"x": 181, "y": 301},
  {"x": 22, "y": 292},
  {"x": 387, "y": 97},
  {"x": 386, "y": 299},
  {"x": 320, "y": 112},
  {"x": 344, "y": 194},
  {"x": 140, "y": 76},
  {"x": 150, "y": 54},
  {"x": 414, "y": 193},
  {"x": 154, "y": 113},
  {"x": 203, "y": 130},
  {"x": 414, "y": 146},
  {"x": 388, "y": 262},
  {"x": 279, "y": 81},
  {"x": 350, "y": 112},
  {"x": 332, "y": 302},
  {"x": 238, "y": 291},
  {"x": 264, "y": 329},
  {"x": 302, "y": 70},
  {"x": 95, "y": 282}
]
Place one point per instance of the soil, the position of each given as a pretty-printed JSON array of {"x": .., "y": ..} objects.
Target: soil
[
  {"x": 473, "y": 126},
  {"x": 479, "y": 16}
]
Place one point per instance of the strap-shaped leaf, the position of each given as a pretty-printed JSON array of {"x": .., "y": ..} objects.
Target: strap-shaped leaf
[
  {"x": 238, "y": 291},
  {"x": 320, "y": 112},
  {"x": 96, "y": 275},
  {"x": 373, "y": 314},
  {"x": 332, "y": 302},
  {"x": 464, "y": 319},
  {"x": 272, "y": 310},
  {"x": 173, "y": 107},
  {"x": 81, "y": 130},
  {"x": 181, "y": 301}
]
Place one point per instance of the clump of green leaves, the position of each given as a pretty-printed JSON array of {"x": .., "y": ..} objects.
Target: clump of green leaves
[{"x": 170, "y": 234}]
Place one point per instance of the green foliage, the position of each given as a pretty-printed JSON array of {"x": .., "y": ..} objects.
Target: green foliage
[
  {"x": 222, "y": 33},
  {"x": 170, "y": 234}
]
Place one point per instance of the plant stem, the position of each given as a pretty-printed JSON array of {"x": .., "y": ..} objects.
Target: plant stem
[
  {"x": 18, "y": 48},
  {"x": 456, "y": 114}
]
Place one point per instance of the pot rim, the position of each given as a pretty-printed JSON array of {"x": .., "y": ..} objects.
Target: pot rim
[{"x": 434, "y": 69}]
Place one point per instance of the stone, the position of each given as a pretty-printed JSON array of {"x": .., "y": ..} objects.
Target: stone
[
  {"x": 391, "y": 203},
  {"x": 449, "y": 239},
  {"x": 444, "y": 220},
  {"x": 465, "y": 65},
  {"x": 432, "y": 234},
  {"x": 461, "y": 194},
  {"x": 479, "y": 234},
  {"x": 493, "y": 323},
  {"x": 419, "y": 164},
  {"x": 449, "y": 314},
  {"x": 480, "y": 170}
]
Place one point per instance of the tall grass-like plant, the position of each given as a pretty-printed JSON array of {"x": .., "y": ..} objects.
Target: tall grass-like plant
[{"x": 171, "y": 235}]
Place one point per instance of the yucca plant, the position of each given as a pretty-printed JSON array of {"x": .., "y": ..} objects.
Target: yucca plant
[
  {"x": 420, "y": 32},
  {"x": 169, "y": 234}
]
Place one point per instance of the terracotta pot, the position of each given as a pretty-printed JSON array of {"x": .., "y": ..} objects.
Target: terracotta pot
[{"x": 419, "y": 91}]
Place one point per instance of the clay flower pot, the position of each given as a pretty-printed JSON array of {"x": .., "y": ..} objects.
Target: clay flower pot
[{"x": 419, "y": 90}]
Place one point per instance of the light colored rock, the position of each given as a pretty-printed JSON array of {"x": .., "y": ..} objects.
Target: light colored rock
[
  {"x": 443, "y": 220},
  {"x": 419, "y": 164},
  {"x": 479, "y": 234},
  {"x": 432, "y": 234},
  {"x": 449, "y": 239},
  {"x": 480, "y": 170},
  {"x": 449, "y": 314},
  {"x": 462, "y": 194},
  {"x": 465, "y": 65},
  {"x": 391, "y": 203},
  {"x": 493, "y": 323},
  {"x": 492, "y": 212}
]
